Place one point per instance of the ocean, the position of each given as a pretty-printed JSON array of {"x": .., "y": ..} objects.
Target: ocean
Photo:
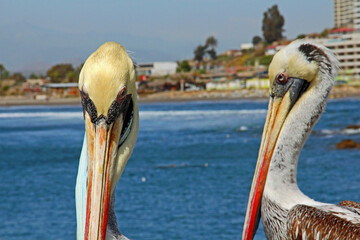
[{"x": 188, "y": 178}]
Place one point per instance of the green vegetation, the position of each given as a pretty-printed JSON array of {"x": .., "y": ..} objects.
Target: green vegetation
[
  {"x": 202, "y": 71},
  {"x": 199, "y": 53},
  {"x": 256, "y": 40},
  {"x": 224, "y": 58},
  {"x": 272, "y": 24},
  {"x": 324, "y": 33},
  {"x": 6, "y": 87},
  {"x": 72, "y": 76},
  {"x": 265, "y": 60},
  {"x": 18, "y": 77},
  {"x": 63, "y": 72},
  {"x": 211, "y": 44},
  {"x": 33, "y": 76},
  {"x": 183, "y": 66},
  {"x": 2, "y": 68},
  {"x": 3, "y": 72},
  {"x": 301, "y": 36}
]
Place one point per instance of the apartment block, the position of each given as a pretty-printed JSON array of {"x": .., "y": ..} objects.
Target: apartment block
[
  {"x": 347, "y": 13},
  {"x": 347, "y": 50}
]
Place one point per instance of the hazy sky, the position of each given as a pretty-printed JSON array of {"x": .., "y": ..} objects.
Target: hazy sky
[{"x": 35, "y": 34}]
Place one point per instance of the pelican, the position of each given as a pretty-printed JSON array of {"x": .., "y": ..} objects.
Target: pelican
[
  {"x": 110, "y": 109},
  {"x": 301, "y": 77}
]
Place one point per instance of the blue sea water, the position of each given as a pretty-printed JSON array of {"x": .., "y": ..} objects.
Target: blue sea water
[{"x": 40, "y": 148}]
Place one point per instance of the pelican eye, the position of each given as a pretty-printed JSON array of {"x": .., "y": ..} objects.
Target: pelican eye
[
  {"x": 282, "y": 78},
  {"x": 121, "y": 95}
]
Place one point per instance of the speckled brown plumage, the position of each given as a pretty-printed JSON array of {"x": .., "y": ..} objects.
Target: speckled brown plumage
[
  {"x": 351, "y": 205},
  {"x": 348, "y": 203},
  {"x": 305, "y": 222}
]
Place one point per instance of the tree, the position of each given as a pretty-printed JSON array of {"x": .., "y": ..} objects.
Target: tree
[
  {"x": 324, "y": 33},
  {"x": 208, "y": 48},
  {"x": 18, "y": 77},
  {"x": 183, "y": 66},
  {"x": 2, "y": 69},
  {"x": 72, "y": 76},
  {"x": 301, "y": 36},
  {"x": 256, "y": 40},
  {"x": 212, "y": 53},
  {"x": 211, "y": 44},
  {"x": 5, "y": 74},
  {"x": 59, "y": 72},
  {"x": 272, "y": 24},
  {"x": 33, "y": 76},
  {"x": 265, "y": 60},
  {"x": 199, "y": 53}
]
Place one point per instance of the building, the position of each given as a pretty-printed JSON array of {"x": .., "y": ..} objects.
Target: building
[
  {"x": 226, "y": 85},
  {"x": 33, "y": 87},
  {"x": 272, "y": 49},
  {"x": 246, "y": 46},
  {"x": 347, "y": 13},
  {"x": 232, "y": 53},
  {"x": 340, "y": 32},
  {"x": 156, "y": 68},
  {"x": 62, "y": 89},
  {"x": 258, "y": 83},
  {"x": 347, "y": 49},
  {"x": 344, "y": 40}
]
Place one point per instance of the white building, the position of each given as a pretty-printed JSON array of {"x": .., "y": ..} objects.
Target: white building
[
  {"x": 347, "y": 13},
  {"x": 156, "y": 68},
  {"x": 226, "y": 85},
  {"x": 347, "y": 49},
  {"x": 271, "y": 50},
  {"x": 258, "y": 83},
  {"x": 246, "y": 46}
]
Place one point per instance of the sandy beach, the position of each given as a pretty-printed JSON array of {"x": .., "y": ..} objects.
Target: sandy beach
[{"x": 174, "y": 96}]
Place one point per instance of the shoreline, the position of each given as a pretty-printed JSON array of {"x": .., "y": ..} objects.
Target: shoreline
[{"x": 174, "y": 96}]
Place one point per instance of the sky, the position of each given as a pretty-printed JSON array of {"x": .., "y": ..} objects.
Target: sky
[{"x": 36, "y": 34}]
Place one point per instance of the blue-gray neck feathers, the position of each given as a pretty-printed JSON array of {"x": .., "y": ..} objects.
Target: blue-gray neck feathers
[{"x": 81, "y": 192}]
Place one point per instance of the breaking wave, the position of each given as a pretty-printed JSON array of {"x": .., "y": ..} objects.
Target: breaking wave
[
  {"x": 191, "y": 114},
  {"x": 144, "y": 115},
  {"x": 329, "y": 132},
  {"x": 41, "y": 115}
]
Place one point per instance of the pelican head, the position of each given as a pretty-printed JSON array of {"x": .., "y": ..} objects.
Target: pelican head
[
  {"x": 108, "y": 97},
  {"x": 301, "y": 77}
]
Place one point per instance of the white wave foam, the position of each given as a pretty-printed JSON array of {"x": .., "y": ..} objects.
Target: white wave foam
[
  {"x": 345, "y": 131},
  {"x": 198, "y": 113},
  {"x": 351, "y": 131},
  {"x": 42, "y": 115},
  {"x": 144, "y": 115},
  {"x": 242, "y": 129}
]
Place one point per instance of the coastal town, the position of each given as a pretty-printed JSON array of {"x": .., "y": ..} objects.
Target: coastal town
[{"x": 232, "y": 74}]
